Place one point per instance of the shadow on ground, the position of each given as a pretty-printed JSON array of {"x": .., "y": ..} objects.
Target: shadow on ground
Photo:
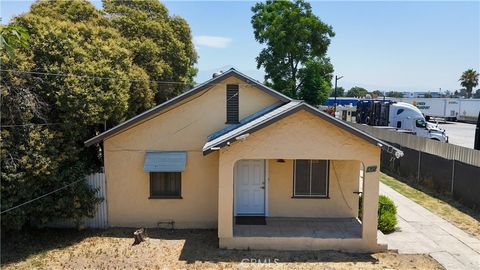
[{"x": 199, "y": 246}]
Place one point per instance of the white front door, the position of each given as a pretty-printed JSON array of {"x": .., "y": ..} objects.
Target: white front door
[{"x": 250, "y": 187}]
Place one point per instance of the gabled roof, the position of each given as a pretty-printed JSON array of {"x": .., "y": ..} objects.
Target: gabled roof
[
  {"x": 175, "y": 101},
  {"x": 281, "y": 112}
]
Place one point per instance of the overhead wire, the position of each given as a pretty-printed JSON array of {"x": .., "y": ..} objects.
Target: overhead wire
[
  {"x": 106, "y": 78},
  {"x": 37, "y": 198}
]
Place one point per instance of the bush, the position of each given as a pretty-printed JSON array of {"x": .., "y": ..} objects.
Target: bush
[{"x": 387, "y": 214}]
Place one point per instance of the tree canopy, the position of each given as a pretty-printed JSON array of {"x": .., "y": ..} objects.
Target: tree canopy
[
  {"x": 340, "y": 92},
  {"x": 79, "y": 72},
  {"x": 357, "y": 92},
  {"x": 296, "y": 44},
  {"x": 11, "y": 37},
  {"x": 161, "y": 45},
  {"x": 377, "y": 93},
  {"x": 469, "y": 80},
  {"x": 395, "y": 94}
]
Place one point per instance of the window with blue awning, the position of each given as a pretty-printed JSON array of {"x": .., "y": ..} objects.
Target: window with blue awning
[{"x": 160, "y": 161}]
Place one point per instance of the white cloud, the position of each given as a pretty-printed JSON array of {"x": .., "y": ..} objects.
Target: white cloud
[{"x": 212, "y": 41}]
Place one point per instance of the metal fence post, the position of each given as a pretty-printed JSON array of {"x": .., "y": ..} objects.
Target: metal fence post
[
  {"x": 418, "y": 169},
  {"x": 453, "y": 175}
]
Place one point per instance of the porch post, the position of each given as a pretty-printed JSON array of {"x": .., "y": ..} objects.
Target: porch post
[
  {"x": 225, "y": 198},
  {"x": 370, "y": 206}
]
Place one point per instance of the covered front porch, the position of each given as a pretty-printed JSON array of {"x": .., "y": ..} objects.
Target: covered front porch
[
  {"x": 266, "y": 213},
  {"x": 311, "y": 214}
]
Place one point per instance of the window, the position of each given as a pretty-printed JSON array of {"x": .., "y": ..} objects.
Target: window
[
  {"x": 310, "y": 178},
  {"x": 232, "y": 104},
  {"x": 400, "y": 111},
  {"x": 165, "y": 184},
  {"x": 420, "y": 123}
]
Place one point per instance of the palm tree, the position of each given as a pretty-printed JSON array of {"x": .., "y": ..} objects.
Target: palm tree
[{"x": 469, "y": 80}]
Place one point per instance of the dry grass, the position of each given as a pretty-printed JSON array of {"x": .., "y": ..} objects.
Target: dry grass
[
  {"x": 442, "y": 205},
  {"x": 181, "y": 249}
]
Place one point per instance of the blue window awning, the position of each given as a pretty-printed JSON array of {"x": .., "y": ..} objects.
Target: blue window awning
[{"x": 165, "y": 161}]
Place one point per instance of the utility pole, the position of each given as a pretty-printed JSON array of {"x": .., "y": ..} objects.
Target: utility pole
[{"x": 335, "y": 102}]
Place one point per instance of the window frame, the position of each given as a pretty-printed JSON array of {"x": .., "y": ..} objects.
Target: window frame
[
  {"x": 327, "y": 182},
  {"x": 152, "y": 196}
]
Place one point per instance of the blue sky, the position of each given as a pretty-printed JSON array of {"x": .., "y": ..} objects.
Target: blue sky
[{"x": 405, "y": 46}]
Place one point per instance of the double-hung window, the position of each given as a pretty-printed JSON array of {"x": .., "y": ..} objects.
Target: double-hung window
[
  {"x": 310, "y": 178},
  {"x": 165, "y": 184}
]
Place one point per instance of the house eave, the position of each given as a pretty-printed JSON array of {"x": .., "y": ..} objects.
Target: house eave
[{"x": 303, "y": 106}]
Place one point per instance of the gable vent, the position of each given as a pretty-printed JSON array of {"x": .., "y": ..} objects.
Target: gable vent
[{"x": 232, "y": 104}]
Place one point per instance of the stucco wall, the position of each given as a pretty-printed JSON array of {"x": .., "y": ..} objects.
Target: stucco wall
[
  {"x": 184, "y": 128},
  {"x": 301, "y": 135},
  {"x": 342, "y": 202}
]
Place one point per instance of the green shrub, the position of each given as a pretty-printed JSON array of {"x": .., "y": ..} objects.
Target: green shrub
[{"x": 387, "y": 214}]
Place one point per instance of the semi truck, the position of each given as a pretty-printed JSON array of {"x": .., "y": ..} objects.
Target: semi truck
[{"x": 403, "y": 117}]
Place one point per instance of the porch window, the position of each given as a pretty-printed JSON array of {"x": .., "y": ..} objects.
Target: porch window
[
  {"x": 165, "y": 184},
  {"x": 310, "y": 178}
]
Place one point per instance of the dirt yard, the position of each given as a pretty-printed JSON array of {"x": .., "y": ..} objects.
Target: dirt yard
[{"x": 181, "y": 249}]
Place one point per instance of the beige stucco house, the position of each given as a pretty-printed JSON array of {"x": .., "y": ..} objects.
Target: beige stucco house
[{"x": 267, "y": 171}]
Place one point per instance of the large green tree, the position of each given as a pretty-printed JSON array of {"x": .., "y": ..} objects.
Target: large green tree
[
  {"x": 469, "y": 80},
  {"x": 357, "y": 92},
  {"x": 296, "y": 42},
  {"x": 161, "y": 44},
  {"x": 78, "y": 73}
]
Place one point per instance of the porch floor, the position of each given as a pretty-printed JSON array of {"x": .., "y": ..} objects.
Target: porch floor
[{"x": 302, "y": 227}]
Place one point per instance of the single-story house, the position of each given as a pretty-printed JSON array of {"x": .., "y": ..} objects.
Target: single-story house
[{"x": 267, "y": 171}]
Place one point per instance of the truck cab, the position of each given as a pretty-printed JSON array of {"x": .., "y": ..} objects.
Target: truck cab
[{"x": 404, "y": 116}]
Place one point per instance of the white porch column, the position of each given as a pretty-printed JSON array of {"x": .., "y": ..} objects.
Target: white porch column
[
  {"x": 370, "y": 205},
  {"x": 225, "y": 198}
]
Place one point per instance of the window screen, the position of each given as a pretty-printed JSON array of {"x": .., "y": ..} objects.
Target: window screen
[
  {"x": 232, "y": 104},
  {"x": 165, "y": 184},
  {"x": 311, "y": 178}
]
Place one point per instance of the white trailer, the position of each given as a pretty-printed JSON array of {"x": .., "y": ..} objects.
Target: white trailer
[
  {"x": 468, "y": 110},
  {"x": 446, "y": 108}
]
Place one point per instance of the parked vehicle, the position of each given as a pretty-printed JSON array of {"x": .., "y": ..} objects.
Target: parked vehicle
[
  {"x": 446, "y": 108},
  {"x": 402, "y": 116}
]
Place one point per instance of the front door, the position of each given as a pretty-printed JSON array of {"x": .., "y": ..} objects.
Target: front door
[{"x": 250, "y": 187}]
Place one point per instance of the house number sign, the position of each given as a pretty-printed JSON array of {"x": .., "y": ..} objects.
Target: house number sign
[{"x": 371, "y": 168}]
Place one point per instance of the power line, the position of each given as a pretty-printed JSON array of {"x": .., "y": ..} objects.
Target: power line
[
  {"x": 24, "y": 125},
  {"x": 107, "y": 78},
  {"x": 87, "y": 76},
  {"x": 27, "y": 202}
]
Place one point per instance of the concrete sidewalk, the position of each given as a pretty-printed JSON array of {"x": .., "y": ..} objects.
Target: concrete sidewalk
[{"x": 422, "y": 232}]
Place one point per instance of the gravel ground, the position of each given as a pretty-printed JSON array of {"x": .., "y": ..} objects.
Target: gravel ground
[{"x": 181, "y": 249}]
